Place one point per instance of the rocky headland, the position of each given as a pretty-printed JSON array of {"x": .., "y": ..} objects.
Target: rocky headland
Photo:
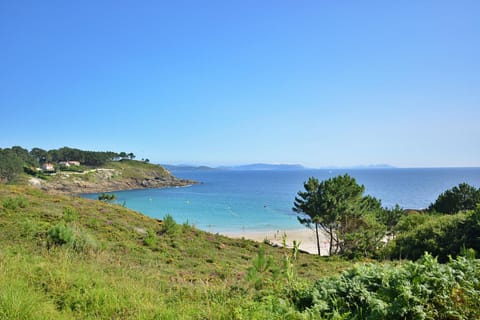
[{"x": 122, "y": 175}]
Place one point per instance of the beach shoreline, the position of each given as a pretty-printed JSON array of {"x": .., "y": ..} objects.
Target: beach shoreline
[{"x": 305, "y": 236}]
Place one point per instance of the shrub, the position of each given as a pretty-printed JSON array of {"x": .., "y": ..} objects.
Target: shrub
[
  {"x": 70, "y": 214},
  {"x": 410, "y": 221},
  {"x": 60, "y": 235},
  {"x": 30, "y": 170},
  {"x": 78, "y": 239},
  {"x": 73, "y": 168},
  {"x": 15, "y": 203},
  {"x": 107, "y": 197},
  {"x": 186, "y": 226},
  {"x": 440, "y": 235},
  {"x": 22, "y": 202},
  {"x": 84, "y": 241},
  {"x": 416, "y": 290},
  {"x": 170, "y": 227},
  {"x": 28, "y": 228},
  {"x": 470, "y": 230},
  {"x": 263, "y": 272},
  {"x": 150, "y": 238}
]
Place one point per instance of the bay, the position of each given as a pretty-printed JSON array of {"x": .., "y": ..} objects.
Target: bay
[{"x": 229, "y": 201}]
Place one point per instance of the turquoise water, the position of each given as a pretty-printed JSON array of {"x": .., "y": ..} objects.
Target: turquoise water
[{"x": 237, "y": 201}]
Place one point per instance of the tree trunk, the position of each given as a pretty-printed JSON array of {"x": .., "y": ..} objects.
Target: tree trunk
[
  {"x": 318, "y": 239},
  {"x": 331, "y": 242}
]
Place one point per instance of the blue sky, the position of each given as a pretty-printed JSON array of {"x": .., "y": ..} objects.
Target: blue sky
[{"x": 321, "y": 83}]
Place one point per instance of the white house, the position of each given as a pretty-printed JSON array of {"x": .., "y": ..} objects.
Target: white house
[
  {"x": 69, "y": 163},
  {"x": 47, "y": 166}
]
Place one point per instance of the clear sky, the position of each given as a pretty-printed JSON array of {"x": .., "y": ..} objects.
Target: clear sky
[{"x": 321, "y": 83}]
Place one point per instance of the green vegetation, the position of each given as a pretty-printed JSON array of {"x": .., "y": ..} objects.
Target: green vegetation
[
  {"x": 338, "y": 208},
  {"x": 460, "y": 198},
  {"x": 449, "y": 227},
  {"x": 137, "y": 169},
  {"x": 11, "y": 166},
  {"x": 16, "y": 159},
  {"x": 441, "y": 235},
  {"x": 122, "y": 174},
  {"x": 71, "y": 168},
  {"x": 88, "y": 158},
  {"x": 64, "y": 257},
  {"x": 169, "y": 226},
  {"x": 37, "y": 156},
  {"x": 60, "y": 235},
  {"x": 415, "y": 290},
  {"x": 107, "y": 197}
]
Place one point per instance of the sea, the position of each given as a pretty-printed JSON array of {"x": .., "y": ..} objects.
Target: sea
[{"x": 239, "y": 201}]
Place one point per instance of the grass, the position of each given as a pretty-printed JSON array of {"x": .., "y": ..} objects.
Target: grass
[
  {"x": 137, "y": 169},
  {"x": 114, "y": 263}
]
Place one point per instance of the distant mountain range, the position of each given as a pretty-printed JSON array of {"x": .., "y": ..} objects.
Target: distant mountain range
[
  {"x": 246, "y": 167},
  {"x": 171, "y": 167}
]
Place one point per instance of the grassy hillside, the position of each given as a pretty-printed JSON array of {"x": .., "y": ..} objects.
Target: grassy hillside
[
  {"x": 112, "y": 176},
  {"x": 64, "y": 257},
  {"x": 138, "y": 169}
]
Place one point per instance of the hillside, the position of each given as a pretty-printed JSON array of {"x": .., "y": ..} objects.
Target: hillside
[
  {"x": 112, "y": 176},
  {"x": 65, "y": 257}
]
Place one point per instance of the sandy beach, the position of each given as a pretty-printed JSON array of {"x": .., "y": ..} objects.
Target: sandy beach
[{"x": 305, "y": 235}]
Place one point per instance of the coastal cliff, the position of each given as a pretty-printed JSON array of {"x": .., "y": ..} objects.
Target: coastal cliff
[{"x": 114, "y": 176}]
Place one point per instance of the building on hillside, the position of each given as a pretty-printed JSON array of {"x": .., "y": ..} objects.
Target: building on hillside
[
  {"x": 69, "y": 163},
  {"x": 47, "y": 166}
]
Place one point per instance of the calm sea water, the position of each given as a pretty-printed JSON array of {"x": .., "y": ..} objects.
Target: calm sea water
[{"x": 238, "y": 201}]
